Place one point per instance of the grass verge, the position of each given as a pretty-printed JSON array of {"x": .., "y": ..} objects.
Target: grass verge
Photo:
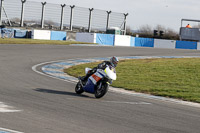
[
  {"x": 33, "y": 41},
  {"x": 174, "y": 78}
]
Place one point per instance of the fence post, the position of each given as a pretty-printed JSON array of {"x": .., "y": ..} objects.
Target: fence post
[
  {"x": 22, "y": 13},
  {"x": 108, "y": 17},
  {"x": 2, "y": 2},
  {"x": 71, "y": 16},
  {"x": 62, "y": 16},
  {"x": 90, "y": 19},
  {"x": 125, "y": 16},
  {"x": 43, "y": 13}
]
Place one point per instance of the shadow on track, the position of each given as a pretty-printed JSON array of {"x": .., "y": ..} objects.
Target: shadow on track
[{"x": 60, "y": 92}]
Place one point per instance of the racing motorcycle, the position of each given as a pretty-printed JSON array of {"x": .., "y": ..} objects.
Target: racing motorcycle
[{"x": 98, "y": 83}]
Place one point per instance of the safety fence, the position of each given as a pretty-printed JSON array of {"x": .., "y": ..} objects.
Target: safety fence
[{"x": 22, "y": 13}]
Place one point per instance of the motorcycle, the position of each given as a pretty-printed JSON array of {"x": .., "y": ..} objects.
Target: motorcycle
[{"x": 98, "y": 83}]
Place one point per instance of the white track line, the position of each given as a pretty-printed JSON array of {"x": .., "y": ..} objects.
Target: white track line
[
  {"x": 8, "y": 130},
  {"x": 133, "y": 103},
  {"x": 34, "y": 68},
  {"x": 7, "y": 109}
]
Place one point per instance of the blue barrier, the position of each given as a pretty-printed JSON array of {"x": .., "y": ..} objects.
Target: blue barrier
[
  {"x": 186, "y": 45},
  {"x": 132, "y": 42},
  {"x": 7, "y": 33},
  {"x": 144, "y": 42},
  {"x": 20, "y": 34},
  {"x": 58, "y": 35},
  {"x": 105, "y": 39}
]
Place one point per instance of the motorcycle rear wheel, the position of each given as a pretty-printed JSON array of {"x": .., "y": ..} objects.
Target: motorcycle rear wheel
[
  {"x": 101, "y": 91},
  {"x": 78, "y": 88}
]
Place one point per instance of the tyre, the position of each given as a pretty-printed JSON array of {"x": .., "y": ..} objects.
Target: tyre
[
  {"x": 101, "y": 90},
  {"x": 78, "y": 88}
]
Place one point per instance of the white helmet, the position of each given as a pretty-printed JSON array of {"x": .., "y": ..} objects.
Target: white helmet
[{"x": 114, "y": 60}]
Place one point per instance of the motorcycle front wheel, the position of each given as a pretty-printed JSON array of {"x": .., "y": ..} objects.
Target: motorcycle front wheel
[
  {"x": 101, "y": 90},
  {"x": 78, "y": 88}
]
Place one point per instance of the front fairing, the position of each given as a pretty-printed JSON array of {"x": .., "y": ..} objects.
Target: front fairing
[{"x": 111, "y": 73}]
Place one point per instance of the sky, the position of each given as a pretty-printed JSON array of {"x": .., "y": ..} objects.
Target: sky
[{"x": 167, "y": 13}]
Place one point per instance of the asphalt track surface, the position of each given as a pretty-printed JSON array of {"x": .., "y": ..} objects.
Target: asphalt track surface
[{"x": 34, "y": 103}]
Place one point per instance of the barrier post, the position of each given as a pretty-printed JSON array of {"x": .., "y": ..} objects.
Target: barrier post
[
  {"x": 90, "y": 19},
  {"x": 1, "y": 10},
  {"x": 108, "y": 17},
  {"x": 22, "y": 13},
  {"x": 62, "y": 16},
  {"x": 43, "y": 13},
  {"x": 125, "y": 17},
  {"x": 71, "y": 16}
]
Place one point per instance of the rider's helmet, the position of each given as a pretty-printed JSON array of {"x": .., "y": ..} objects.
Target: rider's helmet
[{"x": 114, "y": 60}]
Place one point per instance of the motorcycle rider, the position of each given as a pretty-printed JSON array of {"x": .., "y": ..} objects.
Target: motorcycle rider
[{"x": 113, "y": 62}]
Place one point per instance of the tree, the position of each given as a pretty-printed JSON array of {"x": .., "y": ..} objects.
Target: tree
[
  {"x": 145, "y": 29},
  {"x": 128, "y": 30},
  {"x": 148, "y": 32}
]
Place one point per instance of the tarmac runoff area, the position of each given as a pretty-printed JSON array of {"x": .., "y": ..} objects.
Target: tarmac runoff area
[{"x": 54, "y": 69}]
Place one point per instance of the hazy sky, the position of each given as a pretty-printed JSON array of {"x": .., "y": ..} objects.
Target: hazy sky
[{"x": 167, "y": 13}]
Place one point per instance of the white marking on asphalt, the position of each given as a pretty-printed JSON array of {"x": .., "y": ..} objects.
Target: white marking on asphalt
[
  {"x": 132, "y": 93},
  {"x": 116, "y": 102},
  {"x": 7, "y": 109},
  {"x": 4, "y": 130},
  {"x": 34, "y": 68},
  {"x": 134, "y": 103}
]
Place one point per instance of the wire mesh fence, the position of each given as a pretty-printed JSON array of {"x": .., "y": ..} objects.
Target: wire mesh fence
[{"x": 22, "y": 13}]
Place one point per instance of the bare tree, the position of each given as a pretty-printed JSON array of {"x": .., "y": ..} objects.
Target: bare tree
[
  {"x": 160, "y": 28},
  {"x": 171, "y": 32},
  {"x": 128, "y": 30},
  {"x": 15, "y": 19},
  {"x": 146, "y": 29}
]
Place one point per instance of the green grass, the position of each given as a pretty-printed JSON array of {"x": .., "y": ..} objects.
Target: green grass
[
  {"x": 33, "y": 41},
  {"x": 175, "y": 78}
]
